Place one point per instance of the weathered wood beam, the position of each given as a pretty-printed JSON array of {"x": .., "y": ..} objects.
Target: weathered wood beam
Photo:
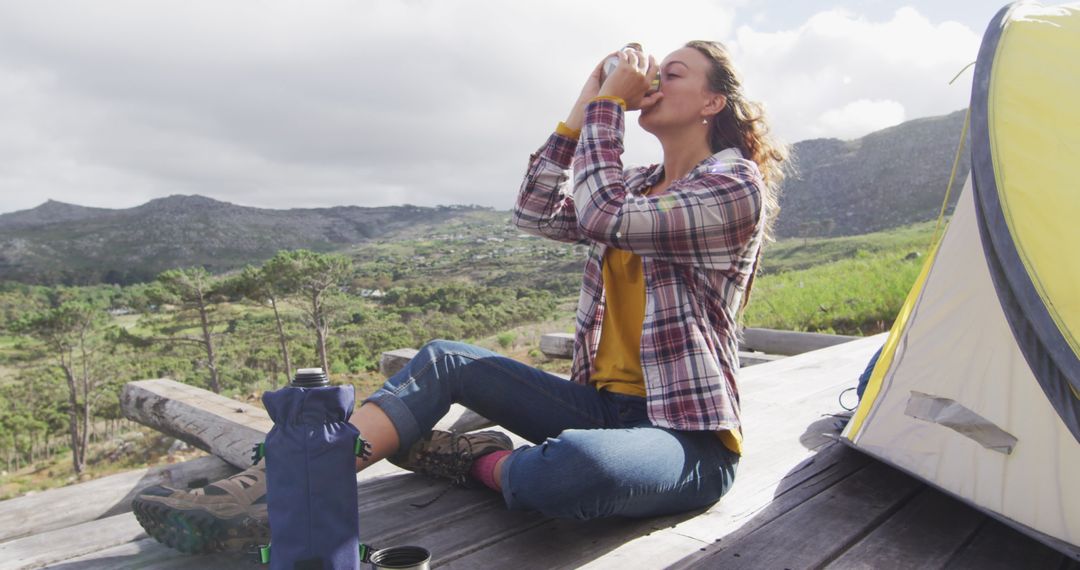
[
  {"x": 57, "y": 545},
  {"x": 789, "y": 343},
  {"x": 393, "y": 361},
  {"x": 100, "y": 498},
  {"x": 755, "y": 358},
  {"x": 768, "y": 341},
  {"x": 222, "y": 426},
  {"x": 557, "y": 345},
  {"x": 561, "y": 345}
]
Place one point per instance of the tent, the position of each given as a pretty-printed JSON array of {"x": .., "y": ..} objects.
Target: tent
[{"x": 977, "y": 390}]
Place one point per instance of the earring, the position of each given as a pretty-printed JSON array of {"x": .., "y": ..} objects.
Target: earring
[{"x": 704, "y": 121}]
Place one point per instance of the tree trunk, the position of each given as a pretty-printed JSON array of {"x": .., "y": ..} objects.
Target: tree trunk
[
  {"x": 73, "y": 417},
  {"x": 85, "y": 430},
  {"x": 208, "y": 343},
  {"x": 319, "y": 321},
  {"x": 86, "y": 405},
  {"x": 284, "y": 343}
]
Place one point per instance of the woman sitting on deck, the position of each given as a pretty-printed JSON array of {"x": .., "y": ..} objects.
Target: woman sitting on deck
[{"x": 650, "y": 423}]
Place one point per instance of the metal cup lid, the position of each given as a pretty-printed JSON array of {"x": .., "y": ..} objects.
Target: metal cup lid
[{"x": 310, "y": 378}]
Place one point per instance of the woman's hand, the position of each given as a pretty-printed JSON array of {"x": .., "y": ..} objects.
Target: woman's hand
[
  {"x": 631, "y": 80},
  {"x": 588, "y": 92}
]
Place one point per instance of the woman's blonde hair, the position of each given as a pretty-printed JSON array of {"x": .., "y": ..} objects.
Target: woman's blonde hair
[{"x": 742, "y": 124}]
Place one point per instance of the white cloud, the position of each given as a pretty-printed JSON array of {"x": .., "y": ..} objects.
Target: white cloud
[
  {"x": 860, "y": 117},
  {"x": 841, "y": 75},
  {"x": 278, "y": 103},
  {"x": 286, "y": 104}
]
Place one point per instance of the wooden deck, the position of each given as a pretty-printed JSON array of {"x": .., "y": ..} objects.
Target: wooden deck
[{"x": 801, "y": 500}]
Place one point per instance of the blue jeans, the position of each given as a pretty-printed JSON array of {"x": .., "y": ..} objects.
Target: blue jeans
[{"x": 596, "y": 454}]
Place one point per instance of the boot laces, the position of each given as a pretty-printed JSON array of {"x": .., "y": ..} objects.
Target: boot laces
[{"x": 452, "y": 463}]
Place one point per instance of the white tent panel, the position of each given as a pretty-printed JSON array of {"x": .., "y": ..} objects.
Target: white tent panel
[{"x": 958, "y": 345}]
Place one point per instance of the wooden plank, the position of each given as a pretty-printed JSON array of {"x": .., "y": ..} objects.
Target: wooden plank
[
  {"x": 100, "y": 498},
  {"x": 148, "y": 553},
  {"x": 461, "y": 419},
  {"x": 615, "y": 542},
  {"x": 778, "y": 471},
  {"x": 222, "y": 426},
  {"x": 457, "y": 523},
  {"x": 464, "y": 525},
  {"x": 557, "y": 345},
  {"x": 767, "y": 341},
  {"x": 789, "y": 379},
  {"x": 65, "y": 543},
  {"x": 838, "y": 516},
  {"x": 396, "y": 508},
  {"x": 770, "y": 478},
  {"x": 747, "y": 358},
  {"x": 391, "y": 362},
  {"x": 773, "y": 341},
  {"x": 926, "y": 533},
  {"x": 996, "y": 545}
]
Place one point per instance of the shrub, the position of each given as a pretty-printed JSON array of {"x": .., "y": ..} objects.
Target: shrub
[{"x": 506, "y": 339}]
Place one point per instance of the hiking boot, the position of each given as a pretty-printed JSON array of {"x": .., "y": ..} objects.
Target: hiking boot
[
  {"x": 225, "y": 516},
  {"x": 450, "y": 455}
]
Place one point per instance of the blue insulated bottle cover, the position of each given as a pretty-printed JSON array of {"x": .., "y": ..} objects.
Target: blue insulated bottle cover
[{"x": 311, "y": 479}]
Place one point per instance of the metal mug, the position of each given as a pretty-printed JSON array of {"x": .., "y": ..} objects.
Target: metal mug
[
  {"x": 613, "y": 60},
  {"x": 401, "y": 558}
]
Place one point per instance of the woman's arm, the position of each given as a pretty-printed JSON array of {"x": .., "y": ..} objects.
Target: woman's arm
[
  {"x": 705, "y": 222},
  {"x": 543, "y": 206}
]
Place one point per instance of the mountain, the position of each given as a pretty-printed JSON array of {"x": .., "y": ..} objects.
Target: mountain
[
  {"x": 888, "y": 178},
  {"x": 65, "y": 243},
  {"x": 48, "y": 213}
]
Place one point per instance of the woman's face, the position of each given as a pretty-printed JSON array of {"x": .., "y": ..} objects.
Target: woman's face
[{"x": 687, "y": 98}]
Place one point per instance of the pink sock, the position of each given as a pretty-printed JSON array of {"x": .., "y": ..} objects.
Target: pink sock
[{"x": 483, "y": 469}]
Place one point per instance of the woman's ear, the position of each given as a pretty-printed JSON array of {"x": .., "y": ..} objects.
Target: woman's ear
[{"x": 715, "y": 104}]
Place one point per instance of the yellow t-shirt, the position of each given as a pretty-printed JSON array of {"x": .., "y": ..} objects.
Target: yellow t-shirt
[{"x": 618, "y": 359}]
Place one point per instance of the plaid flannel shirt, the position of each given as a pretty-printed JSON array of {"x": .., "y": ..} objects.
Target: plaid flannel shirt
[{"x": 698, "y": 243}]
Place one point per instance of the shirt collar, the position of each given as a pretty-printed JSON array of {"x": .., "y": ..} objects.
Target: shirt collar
[{"x": 722, "y": 157}]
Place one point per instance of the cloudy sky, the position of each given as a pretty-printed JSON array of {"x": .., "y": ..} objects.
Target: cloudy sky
[{"x": 377, "y": 102}]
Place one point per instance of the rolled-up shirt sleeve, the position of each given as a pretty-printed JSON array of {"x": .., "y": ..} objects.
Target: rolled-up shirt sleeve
[{"x": 705, "y": 220}]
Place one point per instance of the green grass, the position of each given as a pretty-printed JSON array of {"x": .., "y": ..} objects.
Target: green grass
[
  {"x": 126, "y": 322},
  {"x": 796, "y": 253},
  {"x": 9, "y": 350},
  {"x": 860, "y": 295},
  {"x": 845, "y": 285}
]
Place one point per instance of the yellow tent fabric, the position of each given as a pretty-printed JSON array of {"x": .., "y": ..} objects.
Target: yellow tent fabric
[{"x": 1034, "y": 123}]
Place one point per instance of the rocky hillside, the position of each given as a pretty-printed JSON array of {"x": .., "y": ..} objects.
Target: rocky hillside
[
  {"x": 886, "y": 179},
  {"x": 889, "y": 178},
  {"x": 65, "y": 243}
]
